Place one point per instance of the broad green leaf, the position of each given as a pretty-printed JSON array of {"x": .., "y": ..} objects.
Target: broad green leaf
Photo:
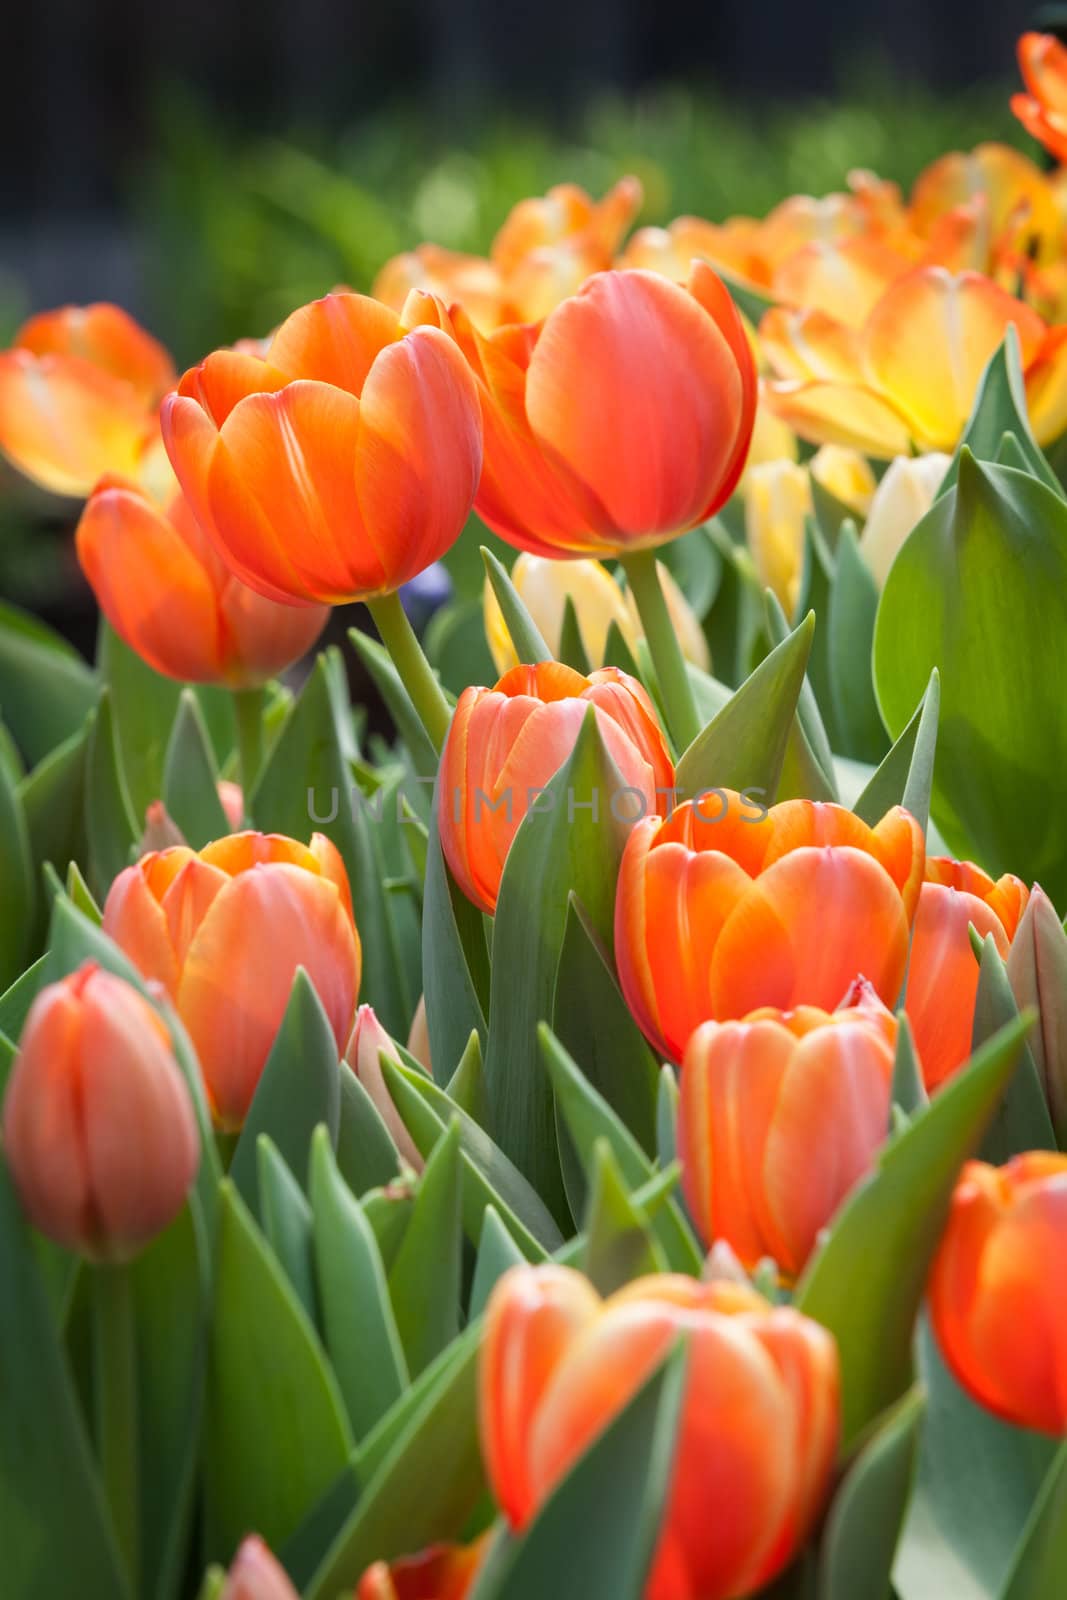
[
  {"x": 1040, "y": 1566},
  {"x": 906, "y": 775},
  {"x": 46, "y": 689},
  {"x": 18, "y": 890},
  {"x": 110, "y": 820},
  {"x": 276, "y": 1434},
  {"x": 497, "y": 1252},
  {"x": 190, "y": 778},
  {"x": 863, "y": 1526},
  {"x": 869, "y": 1298},
  {"x": 285, "y": 1217},
  {"x": 853, "y": 606},
  {"x": 455, "y": 959},
  {"x": 529, "y": 644},
  {"x": 424, "y": 1280},
  {"x": 980, "y": 591},
  {"x": 143, "y": 706},
  {"x": 366, "y": 1154},
  {"x": 619, "y": 1242}
]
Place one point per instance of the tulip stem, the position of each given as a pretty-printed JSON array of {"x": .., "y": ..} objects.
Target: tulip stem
[
  {"x": 248, "y": 708},
  {"x": 683, "y": 721},
  {"x": 115, "y": 1394},
  {"x": 416, "y": 674}
]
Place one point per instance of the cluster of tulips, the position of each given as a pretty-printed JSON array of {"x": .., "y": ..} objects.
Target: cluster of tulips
[{"x": 621, "y": 1154}]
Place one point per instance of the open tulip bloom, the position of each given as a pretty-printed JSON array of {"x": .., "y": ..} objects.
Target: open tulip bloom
[{"x": 569, "y": 1101}]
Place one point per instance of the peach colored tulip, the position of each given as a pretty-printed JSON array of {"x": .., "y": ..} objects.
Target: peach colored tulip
[
  {"x": 224, "y": 931},
  {"x": 942, "y": 969},
  {"x": 996, "y": 1298},
  {"x": 368, "y": 1041},
  {"x": 1043, "y": 109},
  {"x": 169, "y": 596},
  {"x": 620, "y": 421},
  {"x": 342, "y": 462},
  {"x": 79, "y": 397},
  {"x": 444, "y": 1572},
  {"x": 780, "y": 1117},
  {"x": 759, "y": 1424},
  {"x": 99, "y": 1128},
  {"x": 732, "y": 246},
  {"x": 257, "y": 1575},
  {"x": 723, "y": 909},
  {"x": 470, "y": 281},
  {"x": 506, "y": 743}
]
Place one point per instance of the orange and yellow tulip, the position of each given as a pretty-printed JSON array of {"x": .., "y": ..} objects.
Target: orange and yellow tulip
[
  {"x": 1043, "y": 109},
  {"x": 942, "y": 969},
  {"x": 780, "y": 1116},
  {"x": 620, "y": 421},
  {"x": 996, "y": 1299},
  {"x": 758, "y": 1430},
  {"x": 506, "y": 743},
  {"x": 342, "y": 462},
  {"x": 989, "y": 209},
  {"x": 444, "y": 1572},
  {"x": 907, "y": 377},
  {"x": 99, "y": 1128},
  {"x": 257, "y": 1575},
  {"x": 165, "y": 591},
  {"x": 79, "y": 397},
  {"x": 224, "y": 930},
  {"x": 721, "y": 910},
  {"x": 369, "y": 1041}
]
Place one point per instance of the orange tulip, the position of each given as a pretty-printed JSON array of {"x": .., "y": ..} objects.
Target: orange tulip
[
  {"x": 368, "y": 1041},
  {"x": 256, "y": 1575},
  {"x": 79, "y": 397},
  {"x": 470, "y": 281},
  {"x": 444, "y": 1572},
  {"x": 342, "y": 462},
  {"x": 996, "y": 1298},
  {"x": 985, "y": 204},
  {"x": 732, "y": 246},
  {"x": 1043, "y": 110},
  {"x": 781, "y": 1115},
  {"x": 723, "y": 909},
  {"x": 224, "y": 930},
  {"x": 169, "y": 596},
  {"x": 99, "y": 1128},
  {"x": 506, "y": 743},
  {"x": 759, "y": 1424},
  {"x": 906, "y": 378},
  {"x": 620, "y": 421},
  {"x": 942, "y": 970}
]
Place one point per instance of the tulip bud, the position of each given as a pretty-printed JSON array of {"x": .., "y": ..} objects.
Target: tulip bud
[
  {"x": 256, "y": 1575},
  {"x": 232, "y": 801},
  {"x": 369, "y": 1040},
  {"x": 1037, "y": 968},
  {"x": 99, "y": 1128},
  {"x": 777, "y": 505},
  {"x": 904, "y": 496},
  {"x": 444, "y": 1572},
  {"x": 161, "y": 832},
  {"x": 846, "y": 475},
  {"x": 996, "y": 1300},
  {"x": 760, "y": 1412}
]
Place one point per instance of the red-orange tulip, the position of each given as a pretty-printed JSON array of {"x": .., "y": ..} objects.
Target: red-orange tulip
[
  {"x": 256, "y": 1575},
  {"x": 99, "y": 1128},
  {"x": 781, "y": 1115},
  {"x": 506, "y": 743},
  {"x": 166, "y": 592},
  {"x": 340, "y": 463},
  {"x": 79, "y": 396},
  {"x": 620, "y": 421},
  {"x": 996, "y": 1296},
  {"x": 942, "y": 969},
  {"x": 224, "y": 930},
  {"x": 759, "y": 1423},
  {"x": 444, "y": 1572},
  {"x": 368, "y": 1041},
  {"x": 1043, "y": 110},
  {"x": 725, "y": 908}
]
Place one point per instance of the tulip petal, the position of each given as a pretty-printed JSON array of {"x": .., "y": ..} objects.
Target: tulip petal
[
  {"x": 943, "y": 976},
  {"x": 105, "y": 337},
  {"x": 335, "y": 340},
  {"x": 134, "y": 918},
  {"x": 65, "y": 423},
  {"x": 845, "y": 414}
]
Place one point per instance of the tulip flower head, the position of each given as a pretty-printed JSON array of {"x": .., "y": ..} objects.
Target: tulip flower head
[
  {"x": 368, "y": 1042},
  {"x": 996, "y": 1299},
  {"x": 780, "y": 1117},
  {"x": 722, "y": 909},
  {"x": 444, "y": 1572},
  {"x": 758, "y": 1429},
  {"x": 341, "y": 462},
  {"x": 98, "y": 1123},
  {"x": 506, "y": 743},
  {"x": 225, "y": 930},
  {"x": 620, "y": 421},
  {"x": 1043, "y": 109},
  {"x": 257, "y": 1575}
]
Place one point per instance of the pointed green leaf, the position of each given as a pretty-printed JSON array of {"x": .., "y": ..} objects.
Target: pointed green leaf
[
  {"x": 909, "y": 1091},
  {"x": 525, "y": 635},
  {"x": 571, "y": 645},
  {"x": 497, "y": 1252},
  {"x": 366, "y": 1154},
  {"x": 53, "y": 802},
  {"x": 143, "y": 706},
  {"x": 466, "y": 1087},
  {"x": 378, "y": 663},
  {"x": 1000, "y": 407},
  {"x": 285, "y": 1217},
  {"x": 619, "y": 1242},
  {"x": 863, "y": 1526},
  {"x": 46, "y": 689},
  {"x": 190, "y": 778},
  {"x": 853, "y": 606},
  {"x": 455, "y": 959},
  {"x": 424, "y": 1280},
  {"x": 110, "y": 819},
  {"x": 906, "y": 775},
  {"x": 1040, "y": 1565},
  {"x": 1022, "y": 1120}
]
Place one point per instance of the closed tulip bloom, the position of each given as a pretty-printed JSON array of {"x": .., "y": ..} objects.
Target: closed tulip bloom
[
  {"x": 901, "y": 500},
  {"x": 444, "y": 1572},
  {"x": 79, "y": 397},
  {"x": 846, "y": 475},
  {"x": 758, "y": 1429},
  {"x": 257, "y": 1575},
  {"x": 1037, "y": 968},
  {"x": 778, "y": 503},
  {"x": 224, "y": 930},
  {"x": 722, "y": 909},
  {"x": 99, "y": 1128},
  {"x": 368, "y": 1042},
  {"x": 1043, "y": 109},
  {"x": 340, "y": 463},
  {"x": 506, "y": 743},
  {"x": 168, "y": 594},
  {"x": 942, "y": 969},
  {"x": 996, "y": 1298},
  {"x": 620, "y": 421},
  {"x": 780, "y": 1117}
]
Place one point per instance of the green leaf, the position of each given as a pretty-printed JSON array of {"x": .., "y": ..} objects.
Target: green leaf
[
  {"x": 529, "y": 644},
  {"x": 143, "y": 706},
  {"x": 906, "y": 775},
  {"x": 497, "y": 1252},
  {"x": 864, "y": 1522},
  {"x": 592, "y": 1021},
  {"x": 54, "y": 1529},
  {"x": 378, "y": 662},
  {"x": 53, "y": 802},
  {"x": 276, "y": 1434},
  {"x": 46, "y": 689},
  {"x": 456, "y": 646},
  {"x": 869, "y": 1298},
  {"x": 617, "y": 652},
  {"x": 190, "y": 779},
  {"x": 571, "y": 644},
  {"x": 808, "y": 768},
  {"x": 299, "y": 1088},
  {"x": 853, "y": 606},
  {"x": 1022, "y": 1120},
  {"x": 360, "y": 1328},
  {"x": 18, "y": 891},
  {"x": 110, "y": 821},
  {"x": 286, "y": 1220},
  {"x": 16, "y": 1001},
  {"x": 979, "y": 590},
  {"x": 1000, "y": 407},
  {"x": 619, "y": 1242},
  {"x": 466, "y": 1086},
  {"x": 455, "y": 960},
  {"x": 424, "y": 1280},
  {"x": 1040, "y": 1566},
  {"x": 909, "y": 1091},
  {"x": 366, "y": 1154}
]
